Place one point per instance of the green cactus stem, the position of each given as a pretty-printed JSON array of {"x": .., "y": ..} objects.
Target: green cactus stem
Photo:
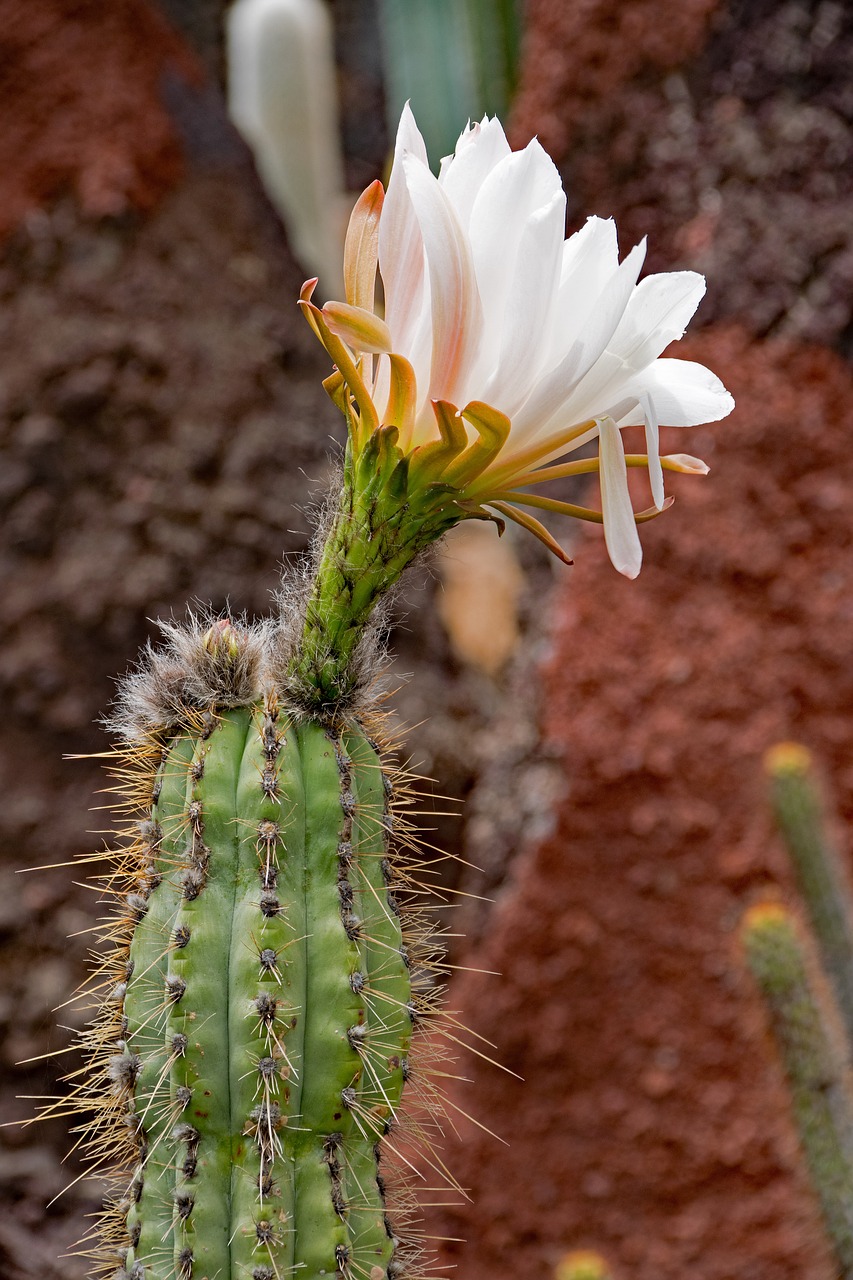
[
  {"x": 383, "y": 520},
  {"x": 804, "y": 1025},
  {"x": 821, "y": 876}
]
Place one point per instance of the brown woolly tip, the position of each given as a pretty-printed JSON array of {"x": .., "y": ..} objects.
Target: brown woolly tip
[{"x": 204, "y": 662}]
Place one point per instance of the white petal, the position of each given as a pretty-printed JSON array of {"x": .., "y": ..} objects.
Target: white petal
[
  {"x": 401, "y": 260},
  {"x": 454, "y": 301},
  {"x": 529, "y": 313},
  {"x": 658, "y": 312},
  {"x": 590, "y": 258},
  {"x": 685, "y": 394},
  {"x": 578, "y": 387},
  {"x": 516, "y": 188},
  {"x": 595, "y": 242},
  {"x": 653, "y": 449},
  {"x": 478, "y": 151},
  {"x": 620, "y": 529}
]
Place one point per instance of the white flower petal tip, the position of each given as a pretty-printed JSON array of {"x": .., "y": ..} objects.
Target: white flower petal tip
[
  {"x": 549, "y": 342},
  {"x": 684, "y": 463}
]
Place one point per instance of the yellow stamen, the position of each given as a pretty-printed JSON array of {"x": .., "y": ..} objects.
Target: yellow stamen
[{"x": 532, "y": 525}]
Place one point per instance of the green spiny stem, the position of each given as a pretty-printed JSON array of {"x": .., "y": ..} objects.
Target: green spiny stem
[
  {"x": 269, "y": 1007},
  {"x": 803, "y": 1025},
  {"x": 822, "y": 878},
  {"x": 380, "y": 526}
]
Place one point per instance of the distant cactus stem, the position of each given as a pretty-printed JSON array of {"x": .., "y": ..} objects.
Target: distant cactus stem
[
  {"x": 807, "y": 1033},
  {"x": 822, "y": 878},
  {"x": 582, "y": 1264}
]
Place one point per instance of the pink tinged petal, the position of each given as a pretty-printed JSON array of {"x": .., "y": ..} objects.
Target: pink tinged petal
[
  {"x": 685, "y": 394},
  {"x": 454, "y": 300},
  {"x": 529, "y": 314},
  {"x": 361, "y": 250},
  {"x": 685, "y": 463},
  {"x": 620, "y": 529},
  {"x": 401, "y": 259},
  {"x": 361, "y": 330},
  {"x": 478, "y": 151},
  {"x": 653, "y": 449},
  {"x": 577, "y": 387},
  {"x": 658, "y": 312}
]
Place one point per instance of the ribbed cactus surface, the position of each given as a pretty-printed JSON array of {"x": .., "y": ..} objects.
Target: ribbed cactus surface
[{"x": 264, "y": 973}]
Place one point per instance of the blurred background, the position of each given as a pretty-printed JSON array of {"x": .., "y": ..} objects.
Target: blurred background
[{"x": 167, "y": 180}]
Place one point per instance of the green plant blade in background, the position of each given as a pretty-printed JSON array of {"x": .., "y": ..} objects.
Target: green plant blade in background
[{"x": 452, "y": 59}]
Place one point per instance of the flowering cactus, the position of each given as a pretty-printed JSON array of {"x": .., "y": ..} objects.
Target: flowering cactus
[
  {"x": 267, "y": 966},
  {"x": 547, "y": 343}
]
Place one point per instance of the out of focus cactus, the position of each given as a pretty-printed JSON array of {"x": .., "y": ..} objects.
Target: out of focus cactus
[
  {"x": 582, "y": 1264},
  {"x": 806, "y": 1029},
  {"x": 282, "y": 96},
  {"x": 822, "y": 878},
  {"x": 452, "y": 59}
]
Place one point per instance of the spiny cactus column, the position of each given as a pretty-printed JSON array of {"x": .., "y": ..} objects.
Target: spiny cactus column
[
  {"x": 264, "y": 975},
  {"x": 267, "y": 1006},
  {"x": 807, "y": 1032},
  {"x": 822, "y": 877}
]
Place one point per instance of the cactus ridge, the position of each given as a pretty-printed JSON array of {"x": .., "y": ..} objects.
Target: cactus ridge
[{"x": 265, "y": 971}]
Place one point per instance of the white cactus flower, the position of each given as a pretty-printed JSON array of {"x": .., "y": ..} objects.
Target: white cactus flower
[{"x": 547, "y": 343}]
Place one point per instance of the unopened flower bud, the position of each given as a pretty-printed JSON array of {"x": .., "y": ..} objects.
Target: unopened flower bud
[{"x": 222, "y": 640}]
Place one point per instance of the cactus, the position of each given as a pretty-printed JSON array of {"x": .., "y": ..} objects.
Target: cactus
[
  {"x": 267, "y": 959},
  {"x": 822, "y": 878},
  {"x": 264, "y": 972},
  {"x": 452, "y": 58},
  {"x": 582, "y": 1264},
  {"x": 805, "y": 1028}
]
